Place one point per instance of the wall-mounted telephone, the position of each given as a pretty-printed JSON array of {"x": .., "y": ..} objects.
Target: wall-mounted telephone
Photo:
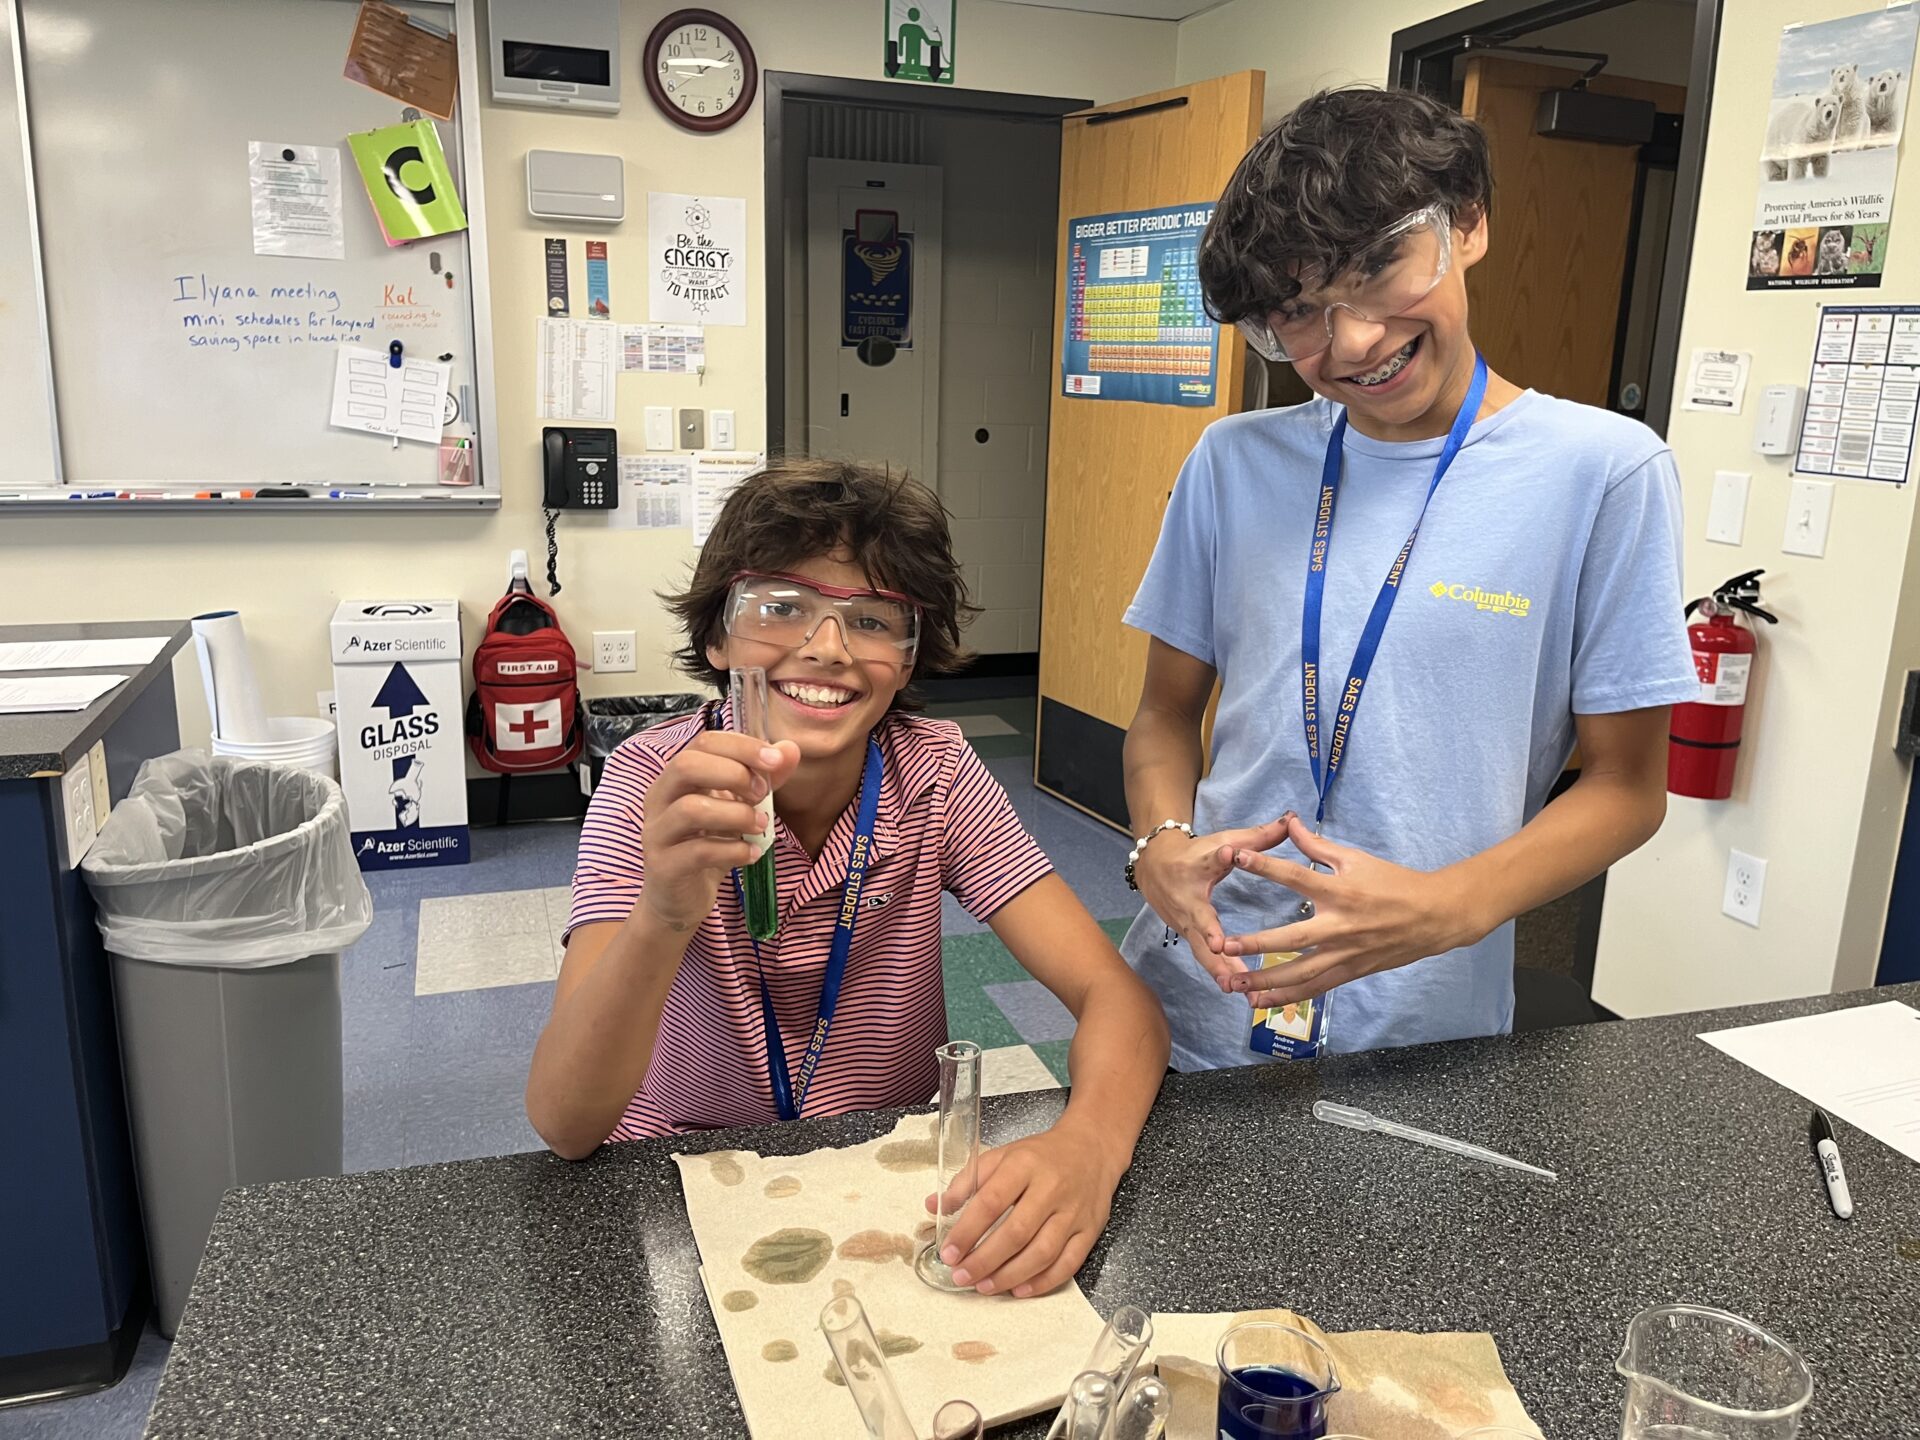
[{"x": 580, "y": 468}]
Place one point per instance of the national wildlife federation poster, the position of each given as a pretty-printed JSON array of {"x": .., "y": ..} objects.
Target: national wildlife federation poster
[{"x": 1831, "y": 152}]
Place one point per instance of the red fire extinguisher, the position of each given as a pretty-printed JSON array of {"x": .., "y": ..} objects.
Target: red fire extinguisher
[{"x": 1703, "y": 740}]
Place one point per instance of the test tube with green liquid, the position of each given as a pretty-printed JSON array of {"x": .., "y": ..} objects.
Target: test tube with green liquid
[{"x": 747, "y": 687}]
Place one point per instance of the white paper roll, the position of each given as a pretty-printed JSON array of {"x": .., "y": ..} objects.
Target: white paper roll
[{"x": 226, "y": 669}]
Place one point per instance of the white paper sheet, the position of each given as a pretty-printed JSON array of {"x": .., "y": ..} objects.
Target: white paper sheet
[
  {"x": 370, "y": 393},
  {"x": 36, "y": 694},
  {"x": 578, "y": 359},
  {"x": 1861, "y": 1064},
  {"x": 1717, "y": 380},
  {"x": 663, "y": 349},
  {"x": 656, "y": 493},
  {"x": 79, "y": 654},
  {"x": 716, "y": 473},
  {"x": 295, "y": 191}
]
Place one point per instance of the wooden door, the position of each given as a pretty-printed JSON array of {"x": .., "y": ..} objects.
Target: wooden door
[
  {"x": 1546, "y": 299},
  {"x": 1111, "y": 463}
]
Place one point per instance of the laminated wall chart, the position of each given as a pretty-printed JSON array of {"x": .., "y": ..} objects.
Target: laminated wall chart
[
  {"x": 1136, "y": 326},
  {"x": 1863, "y": 394}
]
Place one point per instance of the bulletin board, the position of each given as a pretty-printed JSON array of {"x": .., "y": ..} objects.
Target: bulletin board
[{"x": 182, "y": 361}]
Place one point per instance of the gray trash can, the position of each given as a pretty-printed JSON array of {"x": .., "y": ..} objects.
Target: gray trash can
[{"x": 226, "y": 891}]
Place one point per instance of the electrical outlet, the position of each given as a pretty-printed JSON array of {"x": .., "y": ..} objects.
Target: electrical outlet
[
  {"x": 612, "y": 651},
  {"x": 1746, "y": 880},
  {"x": 76, "y": 803}
]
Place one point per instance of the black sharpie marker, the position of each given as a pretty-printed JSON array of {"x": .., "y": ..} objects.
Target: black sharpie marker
[{"x": 1827, "y": 1154}]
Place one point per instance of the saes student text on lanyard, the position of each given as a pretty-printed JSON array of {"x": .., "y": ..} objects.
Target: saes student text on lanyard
[
  {"x": 1299, "y": 1031},
  {"x": 790, "y": 1095}
]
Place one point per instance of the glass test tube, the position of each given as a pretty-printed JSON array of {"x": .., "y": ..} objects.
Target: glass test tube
[
  {"x": 1143, "y": 1411},
  {"x": 1089, "y": 1407},
  {"x": 958, "y": 1420},
  {"x": 957, "y": 1137},
  {"x": 1114, "y": 1354},
  {"x": 759, "y": 885},
  {"x": 864, "y": 1368}
]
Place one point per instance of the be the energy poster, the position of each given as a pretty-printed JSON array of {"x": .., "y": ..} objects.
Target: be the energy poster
[{"x": 1136, "y": 327}]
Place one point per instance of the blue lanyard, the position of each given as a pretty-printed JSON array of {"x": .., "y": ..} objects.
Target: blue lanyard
[
  {"x": 1376, "y": 625},
  {"x": 787, "y": 1097}
]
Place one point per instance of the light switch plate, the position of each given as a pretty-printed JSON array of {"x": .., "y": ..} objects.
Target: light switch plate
[
  {"x": 693, "y": 429},
  {"x": 1809, "y": 513},
  {"x": 1727, "y": 511},
  {"x": 660, "y": 427},
  {"x": 720, "y": 422}
]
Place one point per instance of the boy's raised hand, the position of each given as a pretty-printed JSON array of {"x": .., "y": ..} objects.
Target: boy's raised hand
[
  {"x": 697, "y": 811},
  {"x": 1177, "y": 876}
]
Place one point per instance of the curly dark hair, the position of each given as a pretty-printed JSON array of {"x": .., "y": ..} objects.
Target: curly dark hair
[
  {"x": 797, "y": 510},
  {"x": 1318, "y": 189}
]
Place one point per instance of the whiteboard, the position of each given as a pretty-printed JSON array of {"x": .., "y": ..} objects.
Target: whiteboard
[
  {"x": 180, "y": 358},
  {"x": 26, "y": 398}
]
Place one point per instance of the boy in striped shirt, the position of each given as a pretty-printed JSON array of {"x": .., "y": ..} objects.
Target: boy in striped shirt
[{"x": 840, "y": 582}]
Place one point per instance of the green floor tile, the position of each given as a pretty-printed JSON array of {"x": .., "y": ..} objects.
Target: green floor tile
[
  {"x": 972, "y": 1015},
  {"x": 1054, "y": 1054},
  {"x": 981, "y": 958}
]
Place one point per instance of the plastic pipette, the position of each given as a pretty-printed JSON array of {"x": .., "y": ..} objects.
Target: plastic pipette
[{"x": 1356, "y": 1119}]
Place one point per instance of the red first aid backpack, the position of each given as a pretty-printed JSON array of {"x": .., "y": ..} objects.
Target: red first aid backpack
[{"x": 525, "y": 711}]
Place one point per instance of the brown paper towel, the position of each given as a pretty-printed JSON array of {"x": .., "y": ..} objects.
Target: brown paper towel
[
  {"x": 1009, "y": 1357},
  {"x": 1394, "y": 1385}
]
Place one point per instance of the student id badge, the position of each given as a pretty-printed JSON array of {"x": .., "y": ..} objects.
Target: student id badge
[{"x": 1297, "y": 1031}]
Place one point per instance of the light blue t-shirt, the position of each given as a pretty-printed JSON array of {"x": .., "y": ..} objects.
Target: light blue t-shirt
[{"x": 1546, "y": 582}]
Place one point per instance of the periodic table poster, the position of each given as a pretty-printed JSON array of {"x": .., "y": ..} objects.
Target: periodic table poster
[{"x": 1136, "y": 326}]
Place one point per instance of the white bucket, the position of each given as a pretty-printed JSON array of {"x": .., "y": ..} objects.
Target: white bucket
[{"x": 298, "y": 743}]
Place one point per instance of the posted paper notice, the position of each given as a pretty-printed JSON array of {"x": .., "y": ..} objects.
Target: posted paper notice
[
  {"x": 372, "y": 394},
  {"x": 1862, "y": 394},
  {"x": 577, "y": 360},
  {"x": 1717, "y": 380},
  {"x": 716, "y": 475},
  {"x": 663, "y": 349},
  {"x": 656, "y": 492},
  {"x": 295, "y": 191}
]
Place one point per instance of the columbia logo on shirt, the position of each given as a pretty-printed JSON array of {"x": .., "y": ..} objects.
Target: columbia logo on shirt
[{"x": 1499, "y": 602}]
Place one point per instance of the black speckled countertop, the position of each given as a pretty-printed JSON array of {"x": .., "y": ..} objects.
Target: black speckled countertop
[
  {"x": 46, "y": 744},
  {"x": 525, "y": 1296}
]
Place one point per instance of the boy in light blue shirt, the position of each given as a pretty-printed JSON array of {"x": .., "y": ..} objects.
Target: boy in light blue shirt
[{"x": 1417, "y": 592}]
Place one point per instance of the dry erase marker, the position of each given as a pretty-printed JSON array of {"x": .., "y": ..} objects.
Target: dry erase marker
[
  {"x": 349, "y": 494},
  {"x": 1827, "y": 1155}
]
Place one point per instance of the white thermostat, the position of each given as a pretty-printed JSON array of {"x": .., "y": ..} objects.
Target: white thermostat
[
  {"x": 563, "y": 53},
  {"x": 564, "y": 186}
]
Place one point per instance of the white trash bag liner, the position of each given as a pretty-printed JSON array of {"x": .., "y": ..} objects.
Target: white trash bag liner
[{"x": 211, "y": 861}]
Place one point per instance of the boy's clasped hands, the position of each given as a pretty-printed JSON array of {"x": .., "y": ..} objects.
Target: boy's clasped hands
[{"x": 1368, "y": 914}]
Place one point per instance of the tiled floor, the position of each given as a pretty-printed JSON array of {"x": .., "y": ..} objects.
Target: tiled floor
[{"x": 443, "y": 998}]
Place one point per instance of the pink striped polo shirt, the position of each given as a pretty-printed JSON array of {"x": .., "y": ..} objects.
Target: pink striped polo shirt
[{"x": 944, "y": 824}]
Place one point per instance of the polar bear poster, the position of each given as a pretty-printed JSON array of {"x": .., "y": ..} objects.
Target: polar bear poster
[{"x": 1830, "y": 155}]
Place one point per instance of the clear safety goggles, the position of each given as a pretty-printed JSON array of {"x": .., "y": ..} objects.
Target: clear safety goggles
[
  {"x": 786, "y": 610},
  {"x": 1392, "y": 276}
]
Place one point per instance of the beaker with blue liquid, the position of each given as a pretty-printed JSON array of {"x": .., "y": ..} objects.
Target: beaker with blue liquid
[{"x": 1275, "y": 1382}]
